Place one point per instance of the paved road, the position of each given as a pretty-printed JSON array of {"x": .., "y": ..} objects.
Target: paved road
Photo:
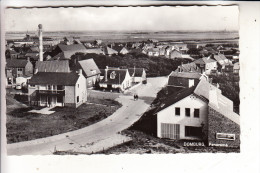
[{"x": 78, "y": 140}]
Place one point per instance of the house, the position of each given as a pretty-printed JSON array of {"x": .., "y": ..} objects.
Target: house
[
  {"x": 18, "y": 68},
  {"x": 190, "y": 67},
  {"x": 57, "y": 89},
  {"x": 12, "y": 54},
  {"x": 153, "y": 51},
  {"x": 183, "y": 79},
  {"x": 116, "y": 79},
  {"x": 124, "y": 51},
  {"x": 175, "y": 54},
  {"x": 222, "y": 61},
  {"x": 98, "y": 51},
  {"x": 90, "y": 71},
  {"x": 206, "y": 65},
  {"x": 138, "y": 74},
  {"x": 52, "y": 66},
  {"x": 199, "y": 113},
  {"x": 109, "y": 51},
  {"x": 64, "y": 52}
]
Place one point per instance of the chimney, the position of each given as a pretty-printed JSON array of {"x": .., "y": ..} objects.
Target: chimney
[
  {"x": 106, "y": 73},
  {"x": 28, "y": 58},
  {"x": 80, "y": 71},
  {"x": 40, "y": 42}
]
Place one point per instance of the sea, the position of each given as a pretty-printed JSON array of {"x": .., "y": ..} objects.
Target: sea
[{"x": 133, "y": 36}]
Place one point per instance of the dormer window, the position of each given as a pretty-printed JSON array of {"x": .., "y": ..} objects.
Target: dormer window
[{"x": 113, "y": 75}]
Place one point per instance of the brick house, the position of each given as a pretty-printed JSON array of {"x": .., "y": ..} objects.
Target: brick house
[
  {"x": 17, "y": 68},
  {"x": 57, "y": 89}
]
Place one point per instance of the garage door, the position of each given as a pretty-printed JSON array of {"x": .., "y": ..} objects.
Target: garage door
[{"x": 171, "y": 131}]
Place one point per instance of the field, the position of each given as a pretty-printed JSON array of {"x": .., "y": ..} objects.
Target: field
[
  {"x": 132, "y": 36},
  {"x": 23, "y": 126}
]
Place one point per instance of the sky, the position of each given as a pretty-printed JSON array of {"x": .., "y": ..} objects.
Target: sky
[{"x": 123, "y": 18}]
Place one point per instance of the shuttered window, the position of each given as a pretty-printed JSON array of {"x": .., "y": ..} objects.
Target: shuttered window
[{"x": 171, "y": 131}]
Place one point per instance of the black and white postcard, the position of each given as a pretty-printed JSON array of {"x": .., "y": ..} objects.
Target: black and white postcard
[{"x": 103, "y": 80}]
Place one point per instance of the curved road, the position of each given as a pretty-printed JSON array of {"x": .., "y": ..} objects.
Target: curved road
[{"x": 105, "y": 130}]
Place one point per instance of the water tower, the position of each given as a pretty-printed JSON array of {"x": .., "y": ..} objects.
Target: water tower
[{"x": 40, "y": 42}]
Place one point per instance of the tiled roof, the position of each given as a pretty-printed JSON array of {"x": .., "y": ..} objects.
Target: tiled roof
[
  {"x": 190, "y": 75},
  {"x": 190, "y": 67},
  {"x": 120, "y": 75},
  {"x": 16, "y": 63},
  {"x": 171, "y": 99},
  {"x": 52, "y": 66},
  {"x": 137, "y": 72},
  {"x": 204, "y": 87},
  {"x": 89, "y": 67},
  {"x": 72, "y": 47},
  {"x": 94, "y": 50},
  {"x": 208, "y": 60},
  {"x": 54, "y": 78},
  {"x": 109, "y": 51}
]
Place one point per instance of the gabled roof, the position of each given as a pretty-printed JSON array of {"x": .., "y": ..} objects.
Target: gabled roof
[
  {"x": 73, "y": 47},
  {"x": 171, "y": 99},
  {"x": 189, "y": 75},
  {"x": 204, "y": 87},
  {"x": 109, "y": 51},
  {"x": 119, "y": 74},
  {"x": 137, "y": 72},
  {"x": 52, "y": 66},
  {"x": 89, "y": 67},
  {"x": 54, "y": 78},
  {"x": 95, "y": 50},
  {"x": 190, "y": 67},
  {"x": 16, "y": 63}
]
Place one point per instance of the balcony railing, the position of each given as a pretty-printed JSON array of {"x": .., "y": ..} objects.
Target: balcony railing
[{"x": 52, "y": 92}]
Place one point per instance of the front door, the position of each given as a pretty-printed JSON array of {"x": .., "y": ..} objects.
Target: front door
[{"x": 49, "y": 100}]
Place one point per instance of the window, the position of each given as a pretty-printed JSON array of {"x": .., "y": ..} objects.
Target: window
[
  {"x": 187, "y": 112},
  {"x": 59, "y": 87},
  {"x": 49, "y": 87},
  {"x": 78, "y": 85},
  {"x": 19, "y": 69},
  {"x": 196, "y": 113},
  {"x": 177, "y": 111},
  {"x": 193, "y": 131},
  {"x": 77, "y": 99}
]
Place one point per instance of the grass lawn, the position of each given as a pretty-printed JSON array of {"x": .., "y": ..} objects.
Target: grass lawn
[{"x": 23, "y": 126}]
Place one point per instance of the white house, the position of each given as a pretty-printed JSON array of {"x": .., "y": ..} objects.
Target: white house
[
  {"x": 182, "y": 116},
  {"x": 115, "y": 78},
  {"x": 57, "y": 89}
]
